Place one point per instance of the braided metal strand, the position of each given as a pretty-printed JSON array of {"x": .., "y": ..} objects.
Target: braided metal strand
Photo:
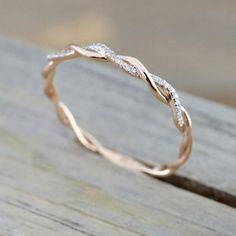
[{"x": 161, "y": 89}]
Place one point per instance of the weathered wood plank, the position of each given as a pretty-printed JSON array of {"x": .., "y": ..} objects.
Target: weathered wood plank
[
  {"x": 117, "y": 201},
  {"x": 121, "y": 113},
  {"x": 21, "y": 212},
  {"x": 49, "y": 184}
]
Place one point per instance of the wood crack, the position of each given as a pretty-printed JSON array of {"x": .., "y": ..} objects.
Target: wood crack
[{"x": 201, "y": 189}]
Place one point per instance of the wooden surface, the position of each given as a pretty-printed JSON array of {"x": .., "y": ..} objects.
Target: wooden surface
[{"x": 49, "y": 185}]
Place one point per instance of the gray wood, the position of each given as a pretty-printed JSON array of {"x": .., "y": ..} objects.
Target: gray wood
[
  {"x": 51, "y": 186},
  {"x": 121, "y": 113}
]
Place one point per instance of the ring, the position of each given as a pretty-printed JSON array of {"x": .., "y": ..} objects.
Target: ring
[{"x": 161, "y": 90}]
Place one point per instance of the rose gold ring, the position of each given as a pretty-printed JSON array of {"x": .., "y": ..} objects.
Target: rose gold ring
[{"x": 162, "y": 90}]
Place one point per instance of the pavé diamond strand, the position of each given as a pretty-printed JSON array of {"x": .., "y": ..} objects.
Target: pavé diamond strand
[
  {"x": 60, "y": 54},
  {"x": 160, "y": 88}
]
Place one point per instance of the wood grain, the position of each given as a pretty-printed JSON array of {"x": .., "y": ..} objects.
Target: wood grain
[{"x": 51, "y": 186}]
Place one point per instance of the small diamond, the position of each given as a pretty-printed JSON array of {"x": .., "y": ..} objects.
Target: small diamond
[
  {"x": 133, "y": 70},
  {"x": 172, "y": 91},
  {"x": 175, "y": 96},
  {"x": 177, "y": 103},
  {"x": 60, "y": 54},
  {"x": 125, "y": 66},
  {"x": 161, "y": 82},
  {"x": 112, "y": 56},
  {"x": 118, "y": 60},
  {"x": 165, "y": 84}
]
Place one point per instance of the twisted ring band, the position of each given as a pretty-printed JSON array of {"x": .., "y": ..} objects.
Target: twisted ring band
[{"x": 161, "y": 89}]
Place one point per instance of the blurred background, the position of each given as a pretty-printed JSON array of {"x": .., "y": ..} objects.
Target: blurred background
[{"x": 191, "y": 44}]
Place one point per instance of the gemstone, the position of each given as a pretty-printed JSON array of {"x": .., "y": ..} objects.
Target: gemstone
[{"x": 60, "y": 54}]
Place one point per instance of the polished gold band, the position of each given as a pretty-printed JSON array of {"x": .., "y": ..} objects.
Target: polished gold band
[{"x": 162, "y": 90}]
